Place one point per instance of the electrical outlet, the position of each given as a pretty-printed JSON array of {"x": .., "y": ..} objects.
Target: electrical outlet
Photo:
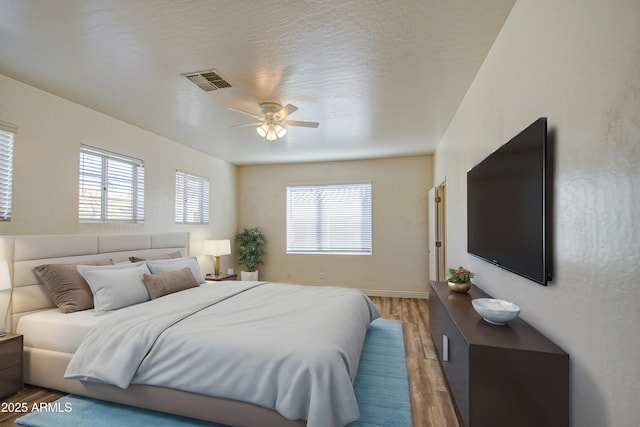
[{"x": 321, "y": 275}]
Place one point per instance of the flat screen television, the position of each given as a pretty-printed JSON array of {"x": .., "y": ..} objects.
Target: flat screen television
[{"x": 508, "y": 205}]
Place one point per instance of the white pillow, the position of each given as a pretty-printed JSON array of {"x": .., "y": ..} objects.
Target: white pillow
[
  {"x": 166, "y": 265},
  {"x": 117, "y": 287},
  {"x": 82, "y": 268}
]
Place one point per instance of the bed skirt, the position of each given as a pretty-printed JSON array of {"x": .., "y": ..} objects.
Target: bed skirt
[{"x": 45, "y": 368}]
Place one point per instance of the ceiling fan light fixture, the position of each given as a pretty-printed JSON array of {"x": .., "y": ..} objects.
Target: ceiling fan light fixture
[{"x": 271, "y": 123}]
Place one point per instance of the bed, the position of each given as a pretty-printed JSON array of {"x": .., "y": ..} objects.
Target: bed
[{"x": 255, "y": 328}]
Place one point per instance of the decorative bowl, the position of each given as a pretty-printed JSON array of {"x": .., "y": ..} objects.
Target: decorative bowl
[{"x": 495, "y": 311}]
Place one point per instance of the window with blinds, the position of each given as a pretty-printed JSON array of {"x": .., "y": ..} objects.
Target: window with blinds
[
  {"x": 192, "y": 198},
  {"x": 329, "y": 219},
  {"x": 111, "y": 187},
  {"x": 7, "y": 133}
]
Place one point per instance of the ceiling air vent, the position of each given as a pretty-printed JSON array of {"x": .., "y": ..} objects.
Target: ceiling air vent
[{"x": 208, "y": 80}]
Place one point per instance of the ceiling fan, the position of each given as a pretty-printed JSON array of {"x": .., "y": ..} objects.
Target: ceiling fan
[{"x": 271, "y": 124}]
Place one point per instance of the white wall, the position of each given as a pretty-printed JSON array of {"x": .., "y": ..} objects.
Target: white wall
[
  {"x": 578, "y": 63},
  {"x": 45, "y": 176},
  {"x": 399, "y": 263}
]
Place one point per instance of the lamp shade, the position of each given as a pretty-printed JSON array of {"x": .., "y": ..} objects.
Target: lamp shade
[
  {"x": 271, "y": 134},
  {"x": 262, "y": 130},
  {"x": 217, "y": 247},
  {"x": 5, "y": 279},
  {"x": 280, "y": 131}
]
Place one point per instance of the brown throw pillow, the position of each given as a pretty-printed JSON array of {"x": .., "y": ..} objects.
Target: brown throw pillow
[
  {"x": 171, "y": 255},
  {"x": 162, "y": 284},
  {"x": 67, "y": 288}
]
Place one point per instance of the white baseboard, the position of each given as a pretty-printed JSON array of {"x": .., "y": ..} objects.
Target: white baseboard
[{"x": 396, "y": 294}]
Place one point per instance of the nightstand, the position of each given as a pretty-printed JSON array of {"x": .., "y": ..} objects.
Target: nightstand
[
  {"x": 220, "y": 277},
  {"x": 11, "y": 379}
]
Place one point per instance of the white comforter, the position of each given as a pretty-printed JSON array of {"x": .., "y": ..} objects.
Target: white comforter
[{"x": 291, "y": 348}]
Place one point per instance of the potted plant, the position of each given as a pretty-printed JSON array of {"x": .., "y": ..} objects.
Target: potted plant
[
  {"x": 250, "y": 252},
  {"x": 460, "y": 279}
]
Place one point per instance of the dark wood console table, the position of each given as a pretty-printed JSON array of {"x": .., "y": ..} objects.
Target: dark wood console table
[{"x": 498, "y": 375}]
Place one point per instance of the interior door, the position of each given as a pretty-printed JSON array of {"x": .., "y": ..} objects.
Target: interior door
[{"x": 433, "y": 263}]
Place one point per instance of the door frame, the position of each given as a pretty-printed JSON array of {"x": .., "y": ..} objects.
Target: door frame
[{"x": 437, "y": 261}]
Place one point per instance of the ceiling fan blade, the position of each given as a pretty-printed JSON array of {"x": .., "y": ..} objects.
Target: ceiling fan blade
[
  {"x": 246, "y": 124},
  {"x": 299, "y": 123},
  {"x": 237, "y": 110},
  {"x": 285, "y": 111}
]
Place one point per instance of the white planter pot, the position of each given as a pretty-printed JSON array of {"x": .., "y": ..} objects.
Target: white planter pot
[{"x": 249, "y": 275}]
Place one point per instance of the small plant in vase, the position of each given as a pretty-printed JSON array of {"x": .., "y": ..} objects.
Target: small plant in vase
[
  {"x": 250, "y": 252},
  {"x": 460, "y": 279}
]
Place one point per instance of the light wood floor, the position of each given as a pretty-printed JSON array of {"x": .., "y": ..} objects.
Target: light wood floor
[{"x": 430, "y": 402}]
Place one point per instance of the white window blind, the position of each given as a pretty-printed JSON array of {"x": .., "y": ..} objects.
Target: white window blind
[
  {"x": 332, "y": 218},
  {"x": 7, "y": 133},
  {"x": 192, "y": 198},
  {"x": 111, "y": 187}
]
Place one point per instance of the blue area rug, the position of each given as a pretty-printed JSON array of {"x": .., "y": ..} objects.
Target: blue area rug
[{"x": 381, "y": 387}]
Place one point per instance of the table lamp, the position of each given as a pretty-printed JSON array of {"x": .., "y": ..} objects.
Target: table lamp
[{"x": 216, "y": 248}]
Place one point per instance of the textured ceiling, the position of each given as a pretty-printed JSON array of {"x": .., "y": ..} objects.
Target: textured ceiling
[{"x": 383, "y": 78}]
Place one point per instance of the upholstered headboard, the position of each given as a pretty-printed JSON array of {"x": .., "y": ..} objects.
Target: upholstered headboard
[{"x": 28, "y": 251}]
